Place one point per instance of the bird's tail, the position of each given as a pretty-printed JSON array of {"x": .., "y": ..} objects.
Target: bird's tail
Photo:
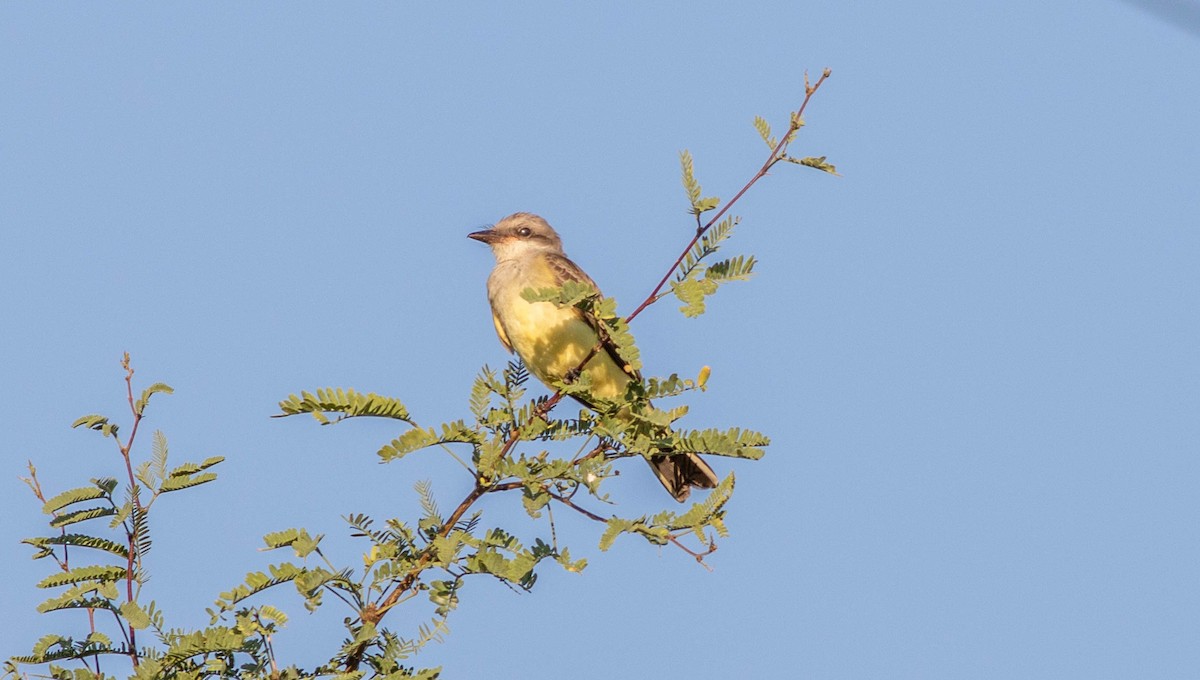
[{"x": 679, "y": 472}]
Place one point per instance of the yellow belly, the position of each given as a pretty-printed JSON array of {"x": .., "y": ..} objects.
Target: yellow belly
[{"x": 552, "y": 341}]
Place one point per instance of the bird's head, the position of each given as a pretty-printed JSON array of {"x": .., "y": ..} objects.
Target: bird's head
[{"x": 519, "y": 234}]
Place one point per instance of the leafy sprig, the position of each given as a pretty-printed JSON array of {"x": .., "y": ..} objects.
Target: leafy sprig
[{"x": 102, "y": 566}]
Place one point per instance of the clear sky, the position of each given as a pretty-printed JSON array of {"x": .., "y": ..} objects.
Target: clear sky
[{"x": 977, "y": 352}]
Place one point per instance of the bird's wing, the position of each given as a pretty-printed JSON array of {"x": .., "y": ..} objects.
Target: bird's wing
[
  {"x": 500, "y": 331},
  {"x": 566, "y": 270}
]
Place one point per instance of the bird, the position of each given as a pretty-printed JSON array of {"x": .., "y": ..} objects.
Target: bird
[{"x": 553, "y": 341}]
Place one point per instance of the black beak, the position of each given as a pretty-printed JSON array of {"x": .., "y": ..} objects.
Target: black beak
[{"x": 487, "y": 236}]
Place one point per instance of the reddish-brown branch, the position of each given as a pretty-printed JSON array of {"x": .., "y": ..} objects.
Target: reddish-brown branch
[
  {"x": 373, "y": 613},
  {"x": 698, "y": 556},
  {"x": 581, "y": 510},
  {"x": 127, "y": 447},
  {"x": 597, "y": 451},
  {"x": 775, "y": 157},
  {"x": 777, "y": 154},
  {"x": 131, "y": 535}
]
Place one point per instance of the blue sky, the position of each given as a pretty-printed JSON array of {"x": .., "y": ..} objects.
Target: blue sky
[{"x": 976, "y": 351}]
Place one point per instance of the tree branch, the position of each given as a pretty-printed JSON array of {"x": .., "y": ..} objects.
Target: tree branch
[
  {"x": 776, "y": 156},
  {"x": 138, "y": 511}
]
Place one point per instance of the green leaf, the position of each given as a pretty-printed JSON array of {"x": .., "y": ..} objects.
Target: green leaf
[
  {"x": 81, "y": 541},
  {"x": 122, "y": 513},
  {"x": 153, "y": 471},
  {"x": 444, "y": 595},
  {"x": 159, "y": 455},
  {"x": 76, "y": 597},
  {"x": 84, "y": 673},
  {"x": 692, "y": 294},
  {"x": 446, "y": 548},
  {"x": 257, "y": 581},
  {"x": 564, "y": 559},
  {"x": 515, "y": 375},
  {"x": 272, "y": 615},
  {"x": 311, "y": 585},
  {"x": 192, "y": 468},
  {"x": 413, "y": 440},
  {"x": 298, "y": 539},
  {"x": 570, "y": 294},
  {"x": 178, "y": 483},
  {"x": 700, "y": 514},
  {"x": 81, "y": 574},
  {"x": 737, "y": 268},
  {"x": 44, "y": 651},
  {"x": 616, "y": 526},
  {"x": 185, "y": 476},
  {"x": 534, "y": 499},
  {"x": 693, "y": 290},
  {"x": 140, "y": 520},
  {"x": 734, "y": 442},
  {"x": 671, "y": 386},
  {"x": 817, "y": 162},
  {"x": 420, "y": 438},
  {"x": 708, "y": 244},
  {"x": 431, "y": 517},
  {"x": 349, "y": 403},
  {"x": 83, "y": 493},
  {"x": 77, "y": 516},
  {"x": 214, "y": 640},
  {"x": 136, "y": 616},
  {"x": 764, "y": 131},
  {"x": 482, "y": 389},
  {"x": 690, "y": 185},
  {"x": 618, "y": 332},
  {"x": 97, "y": 639},
  {"x": 140, "y": 406},
  {"x": 98, "y": 423}
]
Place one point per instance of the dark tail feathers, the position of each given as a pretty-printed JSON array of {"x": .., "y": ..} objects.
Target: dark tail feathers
[{"x": 679, "y": 472}]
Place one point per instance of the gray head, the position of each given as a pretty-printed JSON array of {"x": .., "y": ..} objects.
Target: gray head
[{"x": 518, "y": 234}]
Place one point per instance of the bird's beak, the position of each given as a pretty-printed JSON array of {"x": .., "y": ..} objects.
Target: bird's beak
[{"x": 487, "y": 236}]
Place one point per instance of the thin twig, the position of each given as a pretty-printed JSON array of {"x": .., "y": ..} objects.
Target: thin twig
[
  {"x": 699, "y": 556},
  {"x": 775, "y": 157},
  {"x": 138, "y": 511},
  {"x": 565, "y": 500},
  {"x": 553, "y": 531},
  {"x": 372, "y": 613}
]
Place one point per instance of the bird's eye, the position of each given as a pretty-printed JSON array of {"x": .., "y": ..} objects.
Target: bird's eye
[{"x": 524, "y": 232}]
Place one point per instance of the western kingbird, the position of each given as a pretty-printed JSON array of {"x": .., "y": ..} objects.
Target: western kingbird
[{"x": 553, "y": 341}]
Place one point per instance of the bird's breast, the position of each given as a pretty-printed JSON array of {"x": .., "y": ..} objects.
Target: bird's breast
[{"x": 551, "y": 340}]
